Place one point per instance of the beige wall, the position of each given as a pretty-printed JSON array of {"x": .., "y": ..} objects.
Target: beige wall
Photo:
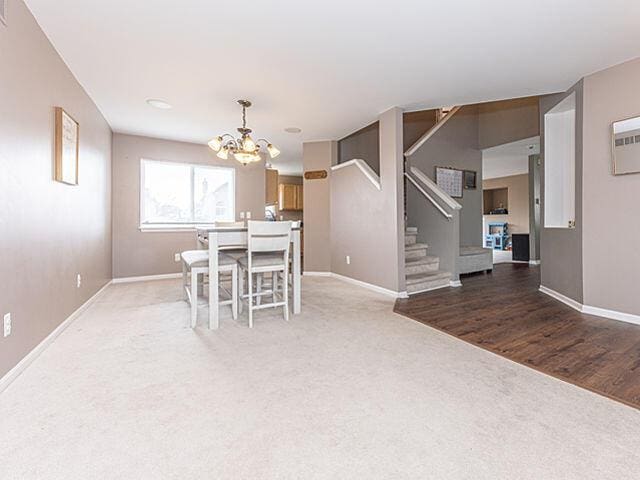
[
  {"x": 517, "y": 201},
  {"x": 611, "y": 203},
  {"x": 292, "y": 215},
  {"x": 506, "y": 121},
  {"x": 137, "y": 253},
  {"x": 561, "y": 248},
  {"x": 316, "y": 213},
  {"x": 49, "y": 231},
  {"x": 366, "y": 223}
]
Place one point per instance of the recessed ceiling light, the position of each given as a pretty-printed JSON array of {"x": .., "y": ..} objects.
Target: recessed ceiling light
[
  {"x": 293, "y": 130},
  {"x": 154, "y": 102}
]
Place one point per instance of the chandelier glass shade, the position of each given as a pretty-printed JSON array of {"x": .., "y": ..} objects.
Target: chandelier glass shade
[{"x": 244, "y": 149}]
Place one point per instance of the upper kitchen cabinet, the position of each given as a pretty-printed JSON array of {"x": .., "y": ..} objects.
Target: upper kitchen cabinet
[
  {"x": 290, "y": 197},
  {"x": 271, "y": 186}
]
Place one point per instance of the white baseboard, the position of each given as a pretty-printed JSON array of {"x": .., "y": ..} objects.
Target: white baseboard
[
  {"x": 612, "y": 314},
  {"x": 370, "y": 286},
  {"x": 12, "y": 374},
  {"x": 534, "y": 262},
  {"x": 562, "y": 298},
  {"x": 147, "y": 278},
  {"x": 589, "y": 310},
  {"x": 430, "y": 289},
  {"x": 316, "y": 274},
  {"x": 455, "y": 283}
]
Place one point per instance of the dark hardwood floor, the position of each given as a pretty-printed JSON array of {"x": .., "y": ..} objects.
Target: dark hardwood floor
[{"x": 505, "y": 313}]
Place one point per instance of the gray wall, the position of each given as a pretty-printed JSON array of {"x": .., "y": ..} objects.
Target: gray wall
[
  {"x": 366, "y": 223},
  {"x": 561, "y": 248},
  {"x": 317, "y": 243},
  {"x": 441, "y": 234},
  {"x": 455, "y": 145},
  {"x": 50, "y": 231},
  {"x": 506, "y": 121},
  {"x": 611, "y": 203},
  {"x": 362, "y": 144},
  {"x": 137, "y": 253}
]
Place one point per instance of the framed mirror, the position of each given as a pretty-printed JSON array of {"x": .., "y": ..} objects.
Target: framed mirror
[{"x": 625, "y": 143}]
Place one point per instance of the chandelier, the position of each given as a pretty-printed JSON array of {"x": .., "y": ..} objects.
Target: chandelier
[{"x": 244, "y": 149}]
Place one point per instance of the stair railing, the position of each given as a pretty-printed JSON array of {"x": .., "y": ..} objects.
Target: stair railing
[
  {"x": 435, "y": 190},
  {"x": 429, "y": 133}
]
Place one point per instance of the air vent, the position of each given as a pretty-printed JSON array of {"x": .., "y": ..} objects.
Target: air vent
[{"x": 3, "y": 11}]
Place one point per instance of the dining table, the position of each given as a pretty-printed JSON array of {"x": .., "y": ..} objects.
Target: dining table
[{"x": 220, "y": 238}]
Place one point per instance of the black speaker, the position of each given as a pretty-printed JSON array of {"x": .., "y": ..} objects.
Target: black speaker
[{"x": 520, "y": 247}]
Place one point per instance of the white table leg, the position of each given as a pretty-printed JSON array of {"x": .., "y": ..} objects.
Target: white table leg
[
  {"x": 296, "y": 272},
  {"x": 214, "y": 318}
]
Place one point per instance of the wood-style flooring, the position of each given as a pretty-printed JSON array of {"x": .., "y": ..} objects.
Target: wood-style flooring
[{"x": 505, "y": 313}]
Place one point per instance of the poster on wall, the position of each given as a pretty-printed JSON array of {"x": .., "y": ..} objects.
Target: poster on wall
[
  {"x": 66, "y": 147},
  {"x": 450, "y": 180}
]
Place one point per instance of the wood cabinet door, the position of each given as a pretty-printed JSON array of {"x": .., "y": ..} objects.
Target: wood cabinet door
[
  {"x": 290, "y": 197},
  {"x": 299, "y": 197},
  {"x": 271, "y": 187}
]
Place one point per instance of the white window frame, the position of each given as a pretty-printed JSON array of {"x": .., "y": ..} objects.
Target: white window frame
[{"x": 180, "y": 226}]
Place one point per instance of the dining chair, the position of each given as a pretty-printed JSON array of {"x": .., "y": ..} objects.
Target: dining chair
[
  {"x": 274, "y": 285},
  {"x": 268, "y": 251},
  {"x": 196, "y": 263}
]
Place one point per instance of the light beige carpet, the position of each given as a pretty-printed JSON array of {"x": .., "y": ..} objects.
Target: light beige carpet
[{"x": 346, "y": 390}]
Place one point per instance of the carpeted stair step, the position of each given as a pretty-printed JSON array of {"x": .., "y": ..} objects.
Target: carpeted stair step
[
  {"x": 425, "y": 264},
  {"x": 422, "y": 282}
]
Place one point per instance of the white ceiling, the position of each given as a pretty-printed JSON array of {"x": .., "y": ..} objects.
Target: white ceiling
[
  {"x": 509, "y": 159},
  {"x": 327, "y": 67}
]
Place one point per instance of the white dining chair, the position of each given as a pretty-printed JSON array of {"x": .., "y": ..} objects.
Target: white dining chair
[
  {"x": 268, "y": 251},
  {"x": 196, "y": 263},
  {"x": 266, "y": 288}
]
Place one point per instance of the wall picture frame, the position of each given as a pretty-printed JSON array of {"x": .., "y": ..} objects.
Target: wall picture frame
[
  {"x": 470, "y": 179},
  {"x": 67, "y": 147},
  {"x": 450, "y": 180}
]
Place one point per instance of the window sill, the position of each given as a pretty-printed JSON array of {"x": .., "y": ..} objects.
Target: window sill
[{"x": 160, "y": 228}]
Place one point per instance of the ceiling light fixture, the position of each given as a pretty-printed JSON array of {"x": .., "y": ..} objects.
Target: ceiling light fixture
[
  {"x": 244, "y": 149},
  {"x": 154, "y": 102}
]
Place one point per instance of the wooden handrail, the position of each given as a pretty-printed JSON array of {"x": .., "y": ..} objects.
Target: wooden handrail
[
  {"x": 429, "y": 197},
  {"x": 429, "y": 133},
  {"x": 364, "y": 168},
  {"x": 433, "y": 186}
]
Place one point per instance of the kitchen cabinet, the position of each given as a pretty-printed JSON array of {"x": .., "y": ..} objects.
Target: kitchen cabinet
[
  {"x": 290, "y": 197},
  {"x": 271, "y": 186}
]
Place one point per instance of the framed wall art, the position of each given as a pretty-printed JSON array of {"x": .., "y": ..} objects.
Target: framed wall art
[
  {"x": 67, "y": 147},
  {"x": 470, "y": 180},
  {"x": 450, "y": 180}
]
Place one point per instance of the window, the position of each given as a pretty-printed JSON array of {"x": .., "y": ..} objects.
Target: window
[{"x": 185, "y": 194}]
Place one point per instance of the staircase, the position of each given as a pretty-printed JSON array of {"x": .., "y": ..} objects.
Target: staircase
[{"x": 421, "y": 270}]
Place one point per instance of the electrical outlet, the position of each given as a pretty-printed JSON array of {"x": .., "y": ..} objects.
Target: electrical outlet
[
  {"x": 241, "y": 215},
  {"x": 176, "y": 257},
  {"x": 78, "y": 281},
  {"x": 7, "y": 324},
  {"x": 348, "y": 260}
]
